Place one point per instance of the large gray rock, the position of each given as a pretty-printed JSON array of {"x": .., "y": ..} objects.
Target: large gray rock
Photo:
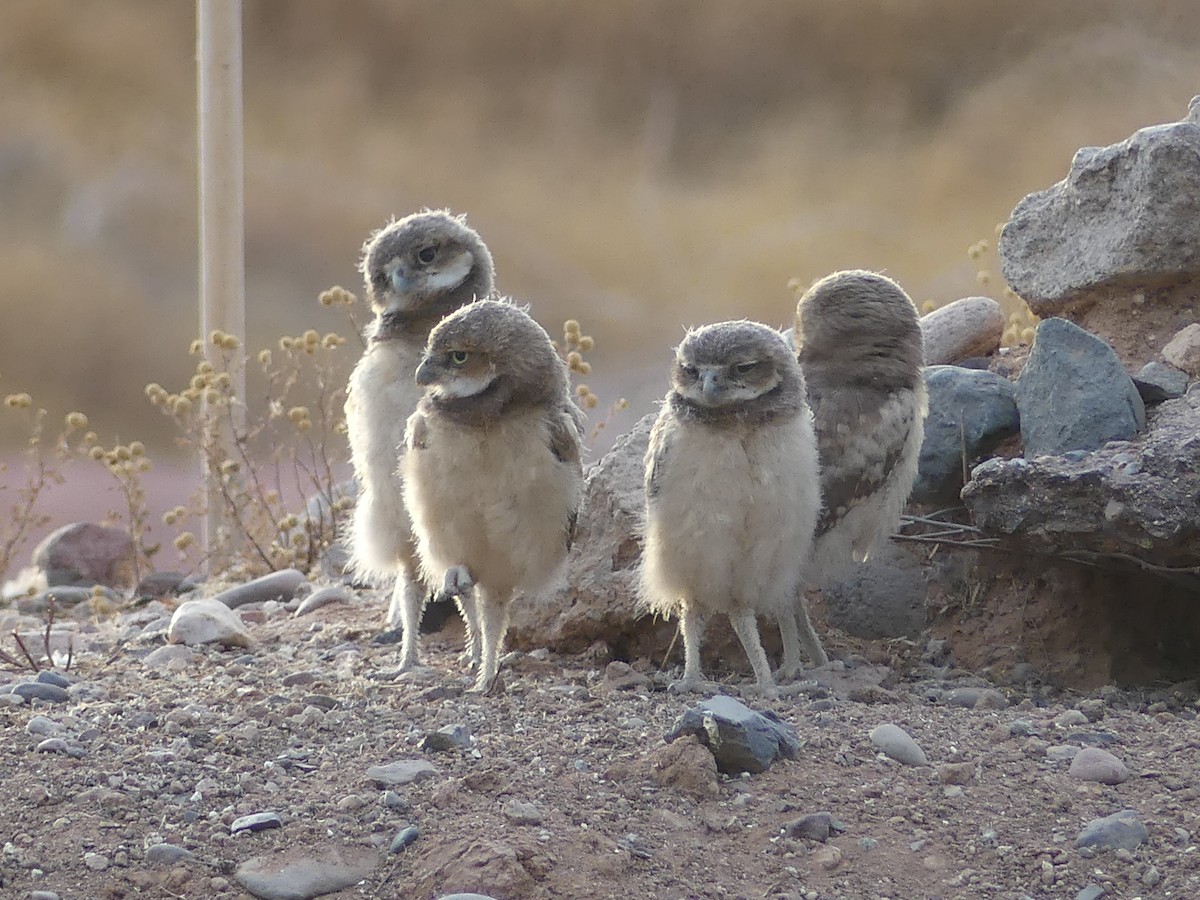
[
  {"x": 1157, "y": 381},
  {"x": 741, "y": 739},
  {"x": 968, "y": 327},
  {"x": 1074, "y": 394},
  {"x": 1141, "y": 498},
  {"x": 970, "y": 411},
  {"x": 1118, "y": 235},
  {"x": 85, "y": 554},
  {"x": 298, "y": 873}
]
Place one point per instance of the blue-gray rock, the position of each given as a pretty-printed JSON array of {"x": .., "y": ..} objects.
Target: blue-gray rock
[
  {"x": 164, "y": 584},
  {"x": 1121, "y": 831},
  {"x": 1091, "y": 892},
  {"x": 281, "y": 585},
  {"x": 404, "y": 837},
  {"x": 38, "y": 690},
  {"x": 40, "y": 726},
  {"x": 895, "y": 742},
  {"x": 1074, "y": 394},
  {"x": 84, "y": 553},
  {"x": 58, "y": 745},
  {"x": 404, "y": 771},
  {"x": 813, "y": 827},
  {"x": 740, "y": 738},
  {"x": 298, "y": 873},
  {"x": 1094, "y": 764},
  {"x": 448, "y": 737},
  {"x": 47, "y": 677},
  {"x": 166, "y": 854},
  {"x": 334, "y": 593},
  {"x": 256, "y": 822},
  {"x": 1156, "y": 381},
  {"x": 970, "y": 411}
]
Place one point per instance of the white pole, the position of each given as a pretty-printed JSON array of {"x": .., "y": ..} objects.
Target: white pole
[{"x": 222, "y": 227}]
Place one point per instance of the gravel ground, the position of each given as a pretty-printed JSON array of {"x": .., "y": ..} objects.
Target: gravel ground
[{"x": 560, "y": 785}]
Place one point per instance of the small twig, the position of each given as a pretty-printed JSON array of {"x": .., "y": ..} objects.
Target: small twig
[
  {"x": 670, "y": 647},
  {"x": 29, "y": 656}
]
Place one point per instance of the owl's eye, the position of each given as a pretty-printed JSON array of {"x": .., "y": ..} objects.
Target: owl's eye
[
  {"x": 427, "y": 254},
  {"x": 458, "y": 357},
  {"x": 690, "y": 372},
  {"x": 745, "y": 368}
]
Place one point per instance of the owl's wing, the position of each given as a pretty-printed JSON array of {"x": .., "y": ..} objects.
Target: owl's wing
[
  {"x": 416, "y": 432},
  {"x": 566, "y": 443},
  {"x": 656, "y": 457},
  {"x": 861, "y": 436}
]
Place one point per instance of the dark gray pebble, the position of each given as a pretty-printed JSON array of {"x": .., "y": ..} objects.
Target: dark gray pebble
[
  {"x": 403, "y": 838},
  {"x": 47, "y": 677},
  {"x": 37, "y": 690},
  {"x": 256, "y": 822},
  {"x": 166, "y": 854},
  {"x": 813, "y": 827}
]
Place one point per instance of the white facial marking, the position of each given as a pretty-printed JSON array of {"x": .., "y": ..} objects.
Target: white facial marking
[
  {"x": 463, "y": 386},
  {"x": 452, "y": 275}
]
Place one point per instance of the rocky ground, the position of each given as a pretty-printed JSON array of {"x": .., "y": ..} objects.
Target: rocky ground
[{"x": 560, "y": 785}]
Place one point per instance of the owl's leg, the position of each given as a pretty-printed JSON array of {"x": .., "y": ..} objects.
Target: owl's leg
[
  {"x": 808, "y": 635},
  {"x": 493, "y": 622},
  {"x": 745, "y": 625},
  {"x": 408, "y": 599},
  {"x": 791, "y": 665},
  {"x": 691, "y": 625},
  {"x": 459, "y": 584}
]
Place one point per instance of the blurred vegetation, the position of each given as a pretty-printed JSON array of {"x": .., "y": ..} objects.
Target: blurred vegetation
[{"x": 637, "y": 164}]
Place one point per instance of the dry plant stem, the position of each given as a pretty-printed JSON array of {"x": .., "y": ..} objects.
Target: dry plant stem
[
  {"x": 22, "y": 514},
  {"x": 25, "y": 650}
]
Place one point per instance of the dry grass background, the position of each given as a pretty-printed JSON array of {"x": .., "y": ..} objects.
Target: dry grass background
[{"x": 637, "y": 165}]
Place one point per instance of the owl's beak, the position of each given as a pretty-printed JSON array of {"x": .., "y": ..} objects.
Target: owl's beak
[
  {"x": 709, "y": 386},
  {"x": 425, "y": 373},
  {"x": 401, "y": 283}
]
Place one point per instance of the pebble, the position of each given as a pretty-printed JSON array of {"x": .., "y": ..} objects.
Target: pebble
[
  {"x": 54, "y": 678},
  {"x": 404, "y": 771},
  {"x": 1094, "y": 764},
  {"x": 43, "y": 895},
  {"x": 11, "y": 699},
  {"x": 1158, "y": 381},
  {"x": 256, "y": 822},
  {"x": 828, "y": 857},
  {"x": 281, "y": 585},
  {"x": 812, "y": 827},
  {"x": 166, "y": 854},
  {"x": 1072, "y": 718},
  {"x": 394, "y": 801},
  {"x": 895, "y": 742},
  {"x": 58, "y": 745},
  {"x": 404, "y": 837},
  {"x": 956, "y": 773},
  {"x": 1122, "y": 830},
  {"x": 163, "y": 657},
  {"x": 1183, "y": 350},
  {"x": 334, "y": 593},
  {"x": 465, "y": 897},
  {"x": 971, "y": 326},
  {"x": 297, "y": 873},
  {"x": 37, "y": 690},
  {"x": 520, "y": 813},
  {"x": 448, "y": 737},
  {"x": 739, "y": 738},
  {"x": 97, "y": 862},
  {"x": 207, "y": 621},
  {"x": 977, "y": 698},
  {"x": 40, "y": 726},
  {"x": 1091, "y": 892}
]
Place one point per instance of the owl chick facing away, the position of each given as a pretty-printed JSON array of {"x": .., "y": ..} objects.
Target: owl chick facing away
[
  {"x": 492, "y": 465},
  {"x": 417, "y": 270},
  {"x": 859, "y": 342},
  {"x": 732, "y": 495}
]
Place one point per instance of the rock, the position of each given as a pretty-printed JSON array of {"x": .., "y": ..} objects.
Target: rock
[
  {"x": 40, "y": 726},
  {"x": 1074, "y": 394},
  {"x": 598, "y": 601},
  {"x": 166, "y": 854},
  {"x": 465, "y": 897},
  {"x": 1141, "y": 499},
  {"x": 686, "y": 767},
  {"x": 207, "y": 621},
  {"x": 740, "y": 739},
  {"x": 255, "y": 822},
  {"x": 976, "y": 698},
  {"x": 84, "y": 553},
  {"x": 1091, "y": 892},
  {"x": 404, "y": 771},
  {"x": 520, "y": 813},
  {"x": 405, "y": 837},
  {"x": 43, "y": 895},
  {"x": 895, "y": 742},
  {"x": 47, "y": 677},
  {"x": 164, "y": 584},
  {"x": 828, "y": 858},
  {"x": 812, "y": 827},
  {"x": 1157, "y": 381},
  {"x": 968, "y": 327},
  {"x": 956, "y": 773},
  {"x": 38, "y": 690},
  {"x": 1183, "y": 350},
  {"x": 58, "y": 745},
  {"x": 281, "y": 585},
  {"x": 1114, "y": 245},
  {"x": 1070, "y": 718},
  {"x": 970, "y": 411},
  {"x": 1094, "y": 764},
  {"x": 334, "y": 593},
  {"x": 620, "y": 676},
  {"x": 63, "y": 598},
  {"x": 883, "y": 597},
  {"x": 163, "y": 657},
  {"x": 298, "y": 873},
  {"x": 97, "y": 862},
  {"x": 1122, "y": 830},
  {"x": 448, "y": 737}
]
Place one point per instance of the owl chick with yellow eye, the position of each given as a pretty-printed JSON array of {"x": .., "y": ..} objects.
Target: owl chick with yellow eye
[
  {"x": 417, "y": 270},
  {"x": 732, "y": 494},
  {"x": 859, "y": 342},
  {"x": 492, "y": 467}
]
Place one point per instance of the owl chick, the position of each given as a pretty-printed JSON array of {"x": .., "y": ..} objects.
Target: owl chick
[
  {"x": 417, "y": 270},
  {"x": 859, "y": 342},
  {"x": 492, "y": 471},
  {"x": 731, "y": 488}
]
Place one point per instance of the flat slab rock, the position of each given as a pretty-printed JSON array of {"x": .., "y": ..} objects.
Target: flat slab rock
[
  {"x": 1140, "y": 498},
  {"x": 298, "y": 873},
  {"x": 740, "y": 738}
]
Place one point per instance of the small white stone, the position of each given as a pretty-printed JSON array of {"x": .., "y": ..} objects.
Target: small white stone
[
  {"x": 968, "y": 327},
  {"x": 896, "y": 743},
  {"x": 207, "y": 622}
]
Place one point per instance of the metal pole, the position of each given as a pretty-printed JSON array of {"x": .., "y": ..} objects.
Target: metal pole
[{"x": 222, "y": 231}]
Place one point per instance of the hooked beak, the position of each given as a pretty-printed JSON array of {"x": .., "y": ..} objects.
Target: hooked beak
[
  {"x": 401, "y": 283},
  {"x": 709, "y": 388},
  {"x": 425, "y": 373}
]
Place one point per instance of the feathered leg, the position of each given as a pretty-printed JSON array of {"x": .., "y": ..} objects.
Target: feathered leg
[
  {"x": 796, "y": 632},
  {"x": 493, "y": 622},
  {"x": 408, "y": 604},
  {"x": 459, "y": 585},
  {"x": 745, "y": 625}
]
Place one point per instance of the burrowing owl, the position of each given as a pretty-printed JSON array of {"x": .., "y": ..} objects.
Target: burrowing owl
[
  {"x": 859, "y": 343},
  {"x": 492, "y": 471},
  {"x": 417, "y": 270},
  {"x": 731, "y": 488}
]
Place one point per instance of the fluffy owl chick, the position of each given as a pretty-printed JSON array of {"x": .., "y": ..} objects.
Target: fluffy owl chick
[
  {"x": 492, "y": 471},
  {"x": 859, "y": 342},
  {"x": 417, "y": 270},
  {"x": 731, "y": 488}
]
